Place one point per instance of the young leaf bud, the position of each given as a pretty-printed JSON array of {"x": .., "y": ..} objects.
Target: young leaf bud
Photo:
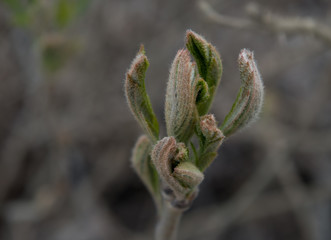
[
  {"x": 249, "y": 100},
  {"x": 137, "y": 97},
  {"x": 163, "y": 155},
  {"x": 212, "y": 138},
  {"x": 167, "y": 156},
  {"x": 141, "y": 162},
  {"x": 209, "y": 65},
  {"x": 182, "y": 153},
  {"x": 180, "y": 109},
  {"x": 188, "y": 174}
]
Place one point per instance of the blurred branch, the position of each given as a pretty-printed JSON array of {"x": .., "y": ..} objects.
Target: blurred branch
[
  {"x": 248, "y": 204},
  {"x": 295, "y": 192},
  {"x": 258, "y": 16},
  {"x": 276, "y": 203},
  {"x": 223, "y": 20}
]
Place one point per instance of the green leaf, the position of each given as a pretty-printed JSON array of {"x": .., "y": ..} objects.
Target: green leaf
[
  {"x": 141, "y": 162},
  {"x": 202, "y": 92},
  {"x": 211, "y": 138},
  {"x": 137, "y": 97},
  {"x": 209, "y": 65},
  {"x": 249, "y": 100},
  {"x": 188, "y": 175}
]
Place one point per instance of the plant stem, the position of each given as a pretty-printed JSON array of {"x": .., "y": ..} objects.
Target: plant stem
[{"x": 169, "y": 222}]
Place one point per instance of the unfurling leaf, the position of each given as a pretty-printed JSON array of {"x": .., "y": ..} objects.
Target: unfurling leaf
[
  {"x": 211, "y": 138},
  {"x": 137, "y": 97},
  {"x": 171, "y": 162},
  {"x": 141, "y": 162},
  {"x": 188, "y": 174},
  {"x": 249, "y": 100},
  {"x": 163, "y": 157},
  {"x": 180, "y": 109},
  {"x": 209, "y": 65}
]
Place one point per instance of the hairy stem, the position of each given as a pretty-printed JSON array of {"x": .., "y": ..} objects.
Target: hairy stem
[{"x": 168, "y": 223}]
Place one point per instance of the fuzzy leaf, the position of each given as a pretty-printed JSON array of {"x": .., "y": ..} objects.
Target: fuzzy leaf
[
  {"x": 137, "y": 97},
  {"x": 202, "y": 92},
  {"x": 209, "y": 65},
  {"x": 165, "y": 159},
  {"x": 180, "y": 109},
  {"x": 188, "y": 174},
  {"x": 211, "y": 138},
  {"x": 142, "y": 164},
  {"x": 249, "y": 100}
]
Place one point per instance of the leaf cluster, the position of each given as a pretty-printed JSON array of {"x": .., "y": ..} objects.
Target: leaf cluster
[{"x": 173, "y": 166}]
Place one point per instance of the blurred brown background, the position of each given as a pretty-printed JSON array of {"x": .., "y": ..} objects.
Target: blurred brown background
[{"x": 66, "y": 133}]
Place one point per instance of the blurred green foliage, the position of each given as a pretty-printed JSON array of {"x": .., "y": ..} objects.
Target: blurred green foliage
[
  {"x": 62, "y": 12},
  {"x": 66, "y": 11},
  {"x": 20, "y": 11},
  {"x": 47, "y": 20},
  {"x": 56, "y": 50}
]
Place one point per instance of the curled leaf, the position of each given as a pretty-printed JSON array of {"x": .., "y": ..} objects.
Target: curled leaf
[
  {"x": 137, "y": 97},
  {"x": 202, "y": 92},
  {"x": 163, "y": 155},
  {"x": 178, "y": 175},
  {"x": 188, "y": 174},
  {"x": 209, "y": 65},
  {"x": 180, "y": 109},
  {"x": 249, "y": 100}
]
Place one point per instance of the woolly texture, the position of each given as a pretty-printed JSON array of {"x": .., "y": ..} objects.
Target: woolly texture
[
  {"x": 211, "y": 141},
  {"x": 171, "y": 163},
  {"x": 141, "y": 162},
  {"x": 180, "y": 109},
  {"x": 249, "y": 100},
  {"x": 163, "y": 155},
  {"x": 188, "y": 174},
  {"x": 209, "y": 64},
  {"x": 137, "y": 98}
]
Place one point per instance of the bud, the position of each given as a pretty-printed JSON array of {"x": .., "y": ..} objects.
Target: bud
[
  {"x": 180, "y": 109},
  {"x": 209, "y": 65},
  {"x": 212, "y": 138},
  {"x": 171, "y": 163},
  {"x": 249, "y": 100},
  {"x": 209, "y": 128},
  {"x": 137, "y": 97},
  {"x": 182, "y": 153}
]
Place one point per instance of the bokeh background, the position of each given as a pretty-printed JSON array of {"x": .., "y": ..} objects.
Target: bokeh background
[{"x": 66, "y": 133}]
